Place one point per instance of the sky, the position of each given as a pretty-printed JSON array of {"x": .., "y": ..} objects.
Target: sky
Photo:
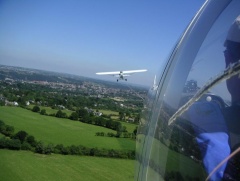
[{"x": 82, "y": 37}]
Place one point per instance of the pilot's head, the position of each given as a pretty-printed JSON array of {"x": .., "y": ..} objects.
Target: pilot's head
[{"x": 232, "y": 55}]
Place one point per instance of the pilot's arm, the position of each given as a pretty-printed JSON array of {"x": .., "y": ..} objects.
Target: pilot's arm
[{"x": 211, "y": 135}]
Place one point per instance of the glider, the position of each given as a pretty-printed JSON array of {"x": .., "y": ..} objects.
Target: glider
[
  {"x": 154, "y": 86},
  {"x": 121, "y": 75}
]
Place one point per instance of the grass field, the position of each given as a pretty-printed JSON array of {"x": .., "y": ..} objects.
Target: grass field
[
  {"x": 61, "y": 131},
  {"x": 28, "y": 166}
]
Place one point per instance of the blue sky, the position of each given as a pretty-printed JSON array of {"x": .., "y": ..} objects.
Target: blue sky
[{"x": 83, "y": 37}]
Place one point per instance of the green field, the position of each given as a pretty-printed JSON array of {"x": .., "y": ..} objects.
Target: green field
[
  {"x": 61, "y": 131},
  {"x": 28, "y": 166}
]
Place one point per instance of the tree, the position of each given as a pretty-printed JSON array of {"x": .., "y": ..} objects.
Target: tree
[
  {"x": 135, "y": 131},
  {"x": 119, "y": 133},
  {"x": 74, "y": 116},
  {"x": 61, "y": 114},
  {"x": 100, "y": 121},
  {"x": 49, "y": 149},
  {"x": 111, "y": 134},
  {"x": 9, "y": 130},
  {"x": 109, "y": 123},
  {"x": 128, "y": 114},
  {"x": 21, "y": 135},
  {"x": 36, "y": 109},
  {"x": 88, "y": 119},
  {"x": 26, "y": 146},
  {"x": 127, "y": 135},
  {"x": 59, "y": 148},
  {"x": 121, "y": 115},
  {"x": 82, "y": 113},
  {"x": 137, "y": 118},
  {"x": 124, "y": 129},
  {"x": 75, "y": 150},
  {"x": 14, "y": 144},
  {"x": 2, "y": 102},
  {"x": 3, "y": 141},
  {"x": 22, "y": 101},
  {"x": 40, "y": 148},
  {"x": 66, "y": 151},
  {"x": 43, "y": 112},
  {"x": 31, "y": 140},
  {"x": 117, "y": 126},
  {"x": 2, "y": 126}
]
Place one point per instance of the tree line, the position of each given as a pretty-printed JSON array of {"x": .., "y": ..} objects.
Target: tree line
[
  {"x": 124, "y": 135},
  {"x": 23, "y": 141},
  {"x": 84, "y": 116}
]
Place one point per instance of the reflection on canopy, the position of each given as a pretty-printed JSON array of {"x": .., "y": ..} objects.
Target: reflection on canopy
[{"x": 187, "y": 123}]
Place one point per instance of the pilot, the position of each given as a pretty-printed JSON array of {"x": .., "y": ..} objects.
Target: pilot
[
  {"x": 232, "y": 113},
  {"x": 218, "y": 131}
]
